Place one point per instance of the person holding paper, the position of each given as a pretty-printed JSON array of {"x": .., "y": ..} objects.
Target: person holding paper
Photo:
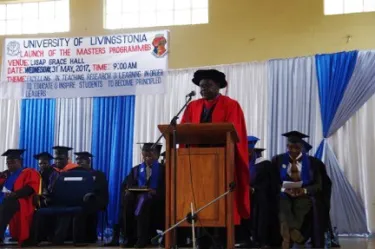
[
  {"x": 295, "y": 203},
  {"x": 142, "y": 194},
  {"x": 16, "y": 198}
]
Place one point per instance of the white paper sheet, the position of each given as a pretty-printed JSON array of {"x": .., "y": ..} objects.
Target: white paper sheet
[{"x": 287, "y": 184}]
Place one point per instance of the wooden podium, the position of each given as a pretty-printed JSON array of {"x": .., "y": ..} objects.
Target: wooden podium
[{"x": 209, "y": 165}]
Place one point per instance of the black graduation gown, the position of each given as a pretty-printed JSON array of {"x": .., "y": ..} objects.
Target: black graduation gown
[
  {"x": 142, "y": 226},
  {"x": 45, "y": 174},
  {"x": 262, "y": 199},
  {"x": 314, "y": 224},
  {"x": 100, "y": 204}
]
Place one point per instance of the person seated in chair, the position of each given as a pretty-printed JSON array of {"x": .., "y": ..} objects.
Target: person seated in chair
[
  {"x": 262, "y": 200},
  {"x": 100, "y": 199},
  {"x": 62, "y": 164},
  {"x": 295, "y": 204},
  {"x": 16, "y": 198},
  {"x": 142, "y": 193},
  {"x": 45, "y": 170}
]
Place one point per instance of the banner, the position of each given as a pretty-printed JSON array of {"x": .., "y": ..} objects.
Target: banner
[{"x": 125, "y": 64}]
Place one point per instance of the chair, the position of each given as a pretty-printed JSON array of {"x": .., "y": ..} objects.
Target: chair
[{"x": 68, "y": 193}]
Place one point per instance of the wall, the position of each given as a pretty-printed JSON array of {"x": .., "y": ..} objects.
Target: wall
[{"x": 246, "y": 30}]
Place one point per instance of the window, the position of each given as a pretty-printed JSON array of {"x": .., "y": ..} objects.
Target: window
[
  {"x": 34, "y": 17},
  {"x": 153, "y": 13},
  {"x": 335, "y": 7}
]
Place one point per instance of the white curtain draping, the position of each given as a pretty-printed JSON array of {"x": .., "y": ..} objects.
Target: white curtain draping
[
  {"x": 73, "y": 123},
  {"x": 247, "y": 84},
  {"x": 294, "y": 101},
  {"x": 9, "y": 126},
  {"x": 354, "y": 146}
]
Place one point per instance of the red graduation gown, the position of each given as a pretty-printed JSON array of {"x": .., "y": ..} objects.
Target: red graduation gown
[
  {"x": 228, "y": 110},
  {"x": 20, "y": 224}
]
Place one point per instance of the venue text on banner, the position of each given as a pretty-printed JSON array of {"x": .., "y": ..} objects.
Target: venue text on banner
[{"x": 112, "y": 65}]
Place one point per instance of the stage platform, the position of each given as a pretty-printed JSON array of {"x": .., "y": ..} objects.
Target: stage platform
[{"x": 346, "y": 243}]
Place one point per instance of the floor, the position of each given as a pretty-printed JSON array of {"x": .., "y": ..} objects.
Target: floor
[{"x": 346, "y": 243}]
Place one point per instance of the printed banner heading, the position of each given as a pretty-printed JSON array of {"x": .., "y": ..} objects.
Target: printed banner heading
[{"x": 112, "y": 65}]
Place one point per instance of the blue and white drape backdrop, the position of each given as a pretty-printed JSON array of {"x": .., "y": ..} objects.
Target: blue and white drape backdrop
[{"x": 330, "y": 97}]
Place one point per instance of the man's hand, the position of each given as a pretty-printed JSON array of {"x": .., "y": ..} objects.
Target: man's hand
[
  {"x": 299, "y": 192},
  {"x": 290, "y": 192}
]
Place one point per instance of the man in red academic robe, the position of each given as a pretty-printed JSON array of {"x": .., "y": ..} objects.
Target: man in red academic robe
[
  {"x": 216, "y": 108},
  {"x": 16, "y": 198}
]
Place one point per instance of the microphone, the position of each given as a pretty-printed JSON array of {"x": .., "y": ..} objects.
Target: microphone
[{"x": 191, "y": 94}]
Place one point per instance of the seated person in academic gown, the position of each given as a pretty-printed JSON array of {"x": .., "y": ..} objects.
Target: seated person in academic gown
[
  {"x": 243, "y": 232},
  {"x": 295, "y": 203},
  {"x": 140, "y": 207},
  {"x": 45, "y": 169},
  {"x": 16, "y": 197},
  {"x": 62, "y": 163},
  {"x": 96, "y": 203},
  {"x": 61, "y": 224},
  {"x": 216, "y": 108},
  {"x": 262, "y": 201}
]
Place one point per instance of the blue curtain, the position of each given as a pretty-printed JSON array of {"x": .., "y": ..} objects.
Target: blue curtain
[
  {"x": 361, "y": 87},
  {"x": 334, "y": 72},
  {"x": 112, "y": 144},
  {"x": 37, "y": 128}
]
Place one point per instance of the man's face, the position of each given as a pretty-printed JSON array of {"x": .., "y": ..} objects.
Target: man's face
[
  {"x": 294, "y": 149},
  {"x": 84, "y": 163},
  {"x": 209, "y": 89},
  {"x": 61, "y": 161},
  {"x": 149, "y": 157},
  {"x": 43, "y": 164},
  {"x": 14, "y": 164}
]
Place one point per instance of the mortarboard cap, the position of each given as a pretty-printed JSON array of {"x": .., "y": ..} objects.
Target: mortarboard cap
[
  {"x": 211, "y": 74},
  {"x": 306, "y": 146},
  {"x": 83, "y": 154},
  {"x": 251, "y": 141},
  {"x": 295, "y": 137},
  {"x": 150, "y": 147},
  {"x": 43, "y": 155},
  {"x": 13, "y": 153},
  {"x": 259, "y": 150},
  {"x": 61, "y": 151}
]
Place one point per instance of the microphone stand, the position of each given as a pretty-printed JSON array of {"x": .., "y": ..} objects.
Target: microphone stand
[
  {"x": 192, "y": 217},
  {"x": 173, "y": 124}
]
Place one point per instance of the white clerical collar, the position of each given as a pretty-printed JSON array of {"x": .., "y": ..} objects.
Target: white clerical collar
[{"x": 259, "y": 160}]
